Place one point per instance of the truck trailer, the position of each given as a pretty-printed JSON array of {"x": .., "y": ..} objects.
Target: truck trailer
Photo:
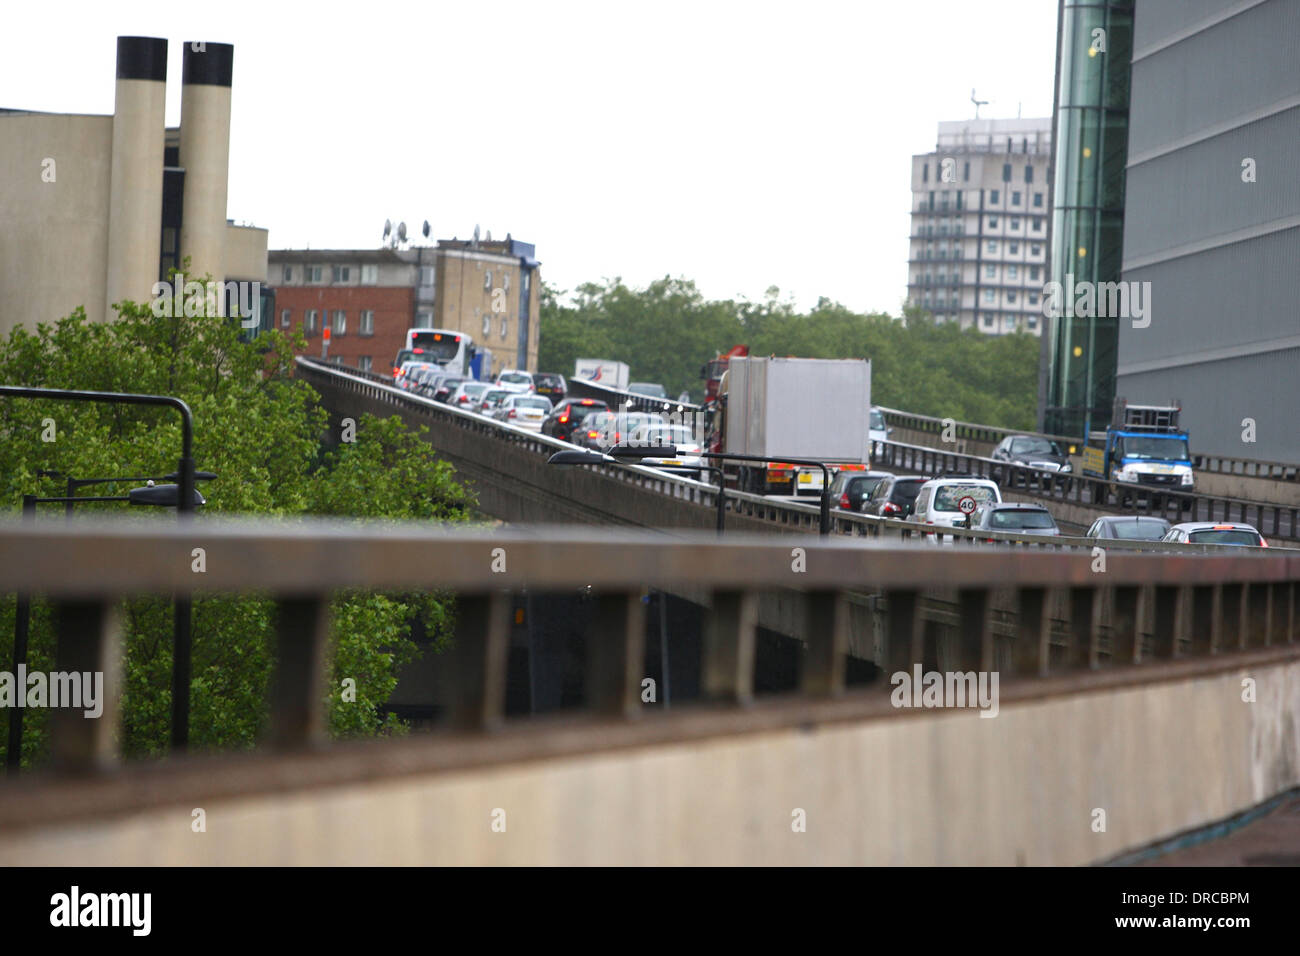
[
  {"x": 602, "y": 372},
  {"x": 764, "y": 410}
]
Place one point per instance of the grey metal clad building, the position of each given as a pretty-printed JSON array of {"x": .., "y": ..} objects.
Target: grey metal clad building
[{"x": 1215, "y": 95}]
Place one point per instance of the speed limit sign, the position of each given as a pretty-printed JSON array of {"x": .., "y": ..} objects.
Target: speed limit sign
[{"x": 967, "y": 505}]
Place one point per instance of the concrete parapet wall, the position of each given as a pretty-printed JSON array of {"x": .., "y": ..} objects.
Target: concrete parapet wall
[{"x": 1175, "y": 751}]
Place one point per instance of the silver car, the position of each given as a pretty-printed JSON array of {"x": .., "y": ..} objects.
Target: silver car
[{"x": 525, "y": 410}]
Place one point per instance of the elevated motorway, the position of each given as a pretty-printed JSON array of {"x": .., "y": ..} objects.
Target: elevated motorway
[
  {"x": 507, "y": 468},
  {"x": 1220, "y": 476}
]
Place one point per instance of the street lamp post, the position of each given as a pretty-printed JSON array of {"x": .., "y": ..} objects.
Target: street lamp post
[
  {"x": 824, "y": 516},
  {"x": 181, "y": 636},
  {"x": 152, "y": 494},
  {"x": 618, "y": 452}
]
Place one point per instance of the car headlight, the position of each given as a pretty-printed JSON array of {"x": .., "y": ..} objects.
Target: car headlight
[
  {"x": 1066, "y": 467},
  {"x": 1188, "y": 479}
]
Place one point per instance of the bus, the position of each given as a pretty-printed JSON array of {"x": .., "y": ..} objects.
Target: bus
[{"x": 453, "y": 350}]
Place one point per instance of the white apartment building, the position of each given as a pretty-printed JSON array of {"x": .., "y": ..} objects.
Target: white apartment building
[{"x": 977, "y": 252}]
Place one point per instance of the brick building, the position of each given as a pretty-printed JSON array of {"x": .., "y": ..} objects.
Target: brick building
[{"x": 368, "y": 298}]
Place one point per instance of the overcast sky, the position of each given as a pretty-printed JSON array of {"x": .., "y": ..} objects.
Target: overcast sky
[{"x": 742, "y": 145}]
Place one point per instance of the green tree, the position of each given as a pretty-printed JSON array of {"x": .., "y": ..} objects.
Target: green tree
[{"x": 261, "y": 430}]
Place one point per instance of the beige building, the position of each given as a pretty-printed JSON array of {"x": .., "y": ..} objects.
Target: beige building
[
  {"x": 978, "y": 254},
  {"x": 97, "y": 208},
  {"x": 487, "y": 289}
]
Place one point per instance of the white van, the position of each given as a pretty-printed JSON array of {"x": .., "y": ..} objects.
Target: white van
[{"x": 936, "y": 502}]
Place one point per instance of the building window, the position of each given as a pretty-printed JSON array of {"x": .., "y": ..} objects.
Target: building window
[
  {"x": 426, "y": 275},
  {"x": 340, "y": 274},
  {"x": 1012, "y": 272},
  {"x": 423, "y": 320},
  {"x": 1038, "y": 199},
  {"x": 1033, "y": 298},
  {"x": 1011, "y": 297},
  {"x": 1015, "y": 222},
  {"x": 285, "y": 315},
  {"x": 487, "y": 325},
  {"x": 487, "y": 279},
  {"x": 309, "y": 322},
  {"x": 287, "y": 273},
  {"x": 965, "y": 179},
  {"x": 363, "y": 363},
  {"x": 990, "y": 272},
  {"x": 988, "y": 295},
  {"x": 366, "y": 326},
  {"x": 1006, "y": 168},
  {"x": 993, "y": 222},
  {"x": 1013, "y": 247},
  {"x": 505, "y": 281},
  {"x": 1038, "y": 225},
  {"x": 1032, "y": 322},
  {"x": 925, "y": 172},
  {"x": 992, "y": 246},
  {"x": 988, "y": 321},
  {"x": 1015, "y": 197},
  {"x": 312, "y": 274},
  {"x": 340, "y": 322},
  {"x": 1035, "y": 249},
  {"x": 1029, "y": 174},
  {"x": 1033, "y": 273},
  {"x": 993, "y": 196},
  {"x": 504, "y": 325},
  {"x": 369, "y": 274}
]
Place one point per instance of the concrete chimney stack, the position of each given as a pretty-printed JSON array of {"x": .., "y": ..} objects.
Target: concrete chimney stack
[
  {"x": 136, "y": 176},
  {"x": 205, "y": 154}
]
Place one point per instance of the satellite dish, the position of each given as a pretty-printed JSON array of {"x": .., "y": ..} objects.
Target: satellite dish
[
  {"x": 489, "y": 235},
  {"x": 476, "y": 232},
  {"x": 425, "y": 229},
  {"x": 401, "y": 232},
  {"x": 388, "y": 228}
]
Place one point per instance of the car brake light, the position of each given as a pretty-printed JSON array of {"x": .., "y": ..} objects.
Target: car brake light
[
  {"x": 1224, "y": 527},
  {"x": 890, "y": 508},
  {"x": 512, "y": 414},
  {"x": 844, "y": 500},
  {"x": 587, "y": 401},
  {"x": 1263, "y": 542},
  {"x": 593, "y": 434},
  {"x": 564, "y": 419}
]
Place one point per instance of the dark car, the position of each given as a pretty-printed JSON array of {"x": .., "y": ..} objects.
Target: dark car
[
  {"x": 1129, "y": 527},
  {"x": 569, "y": 415},
  {"x": 1015, "y": 517},
  {"x": 895, "y": 497},
  {"x": 850, "y": 488},
  {"x": 446, "y": 387},
  {"x": 552, "y": 385},
  {"x": 1031, "y": 451},
  {"x": 649, "y": 389}
]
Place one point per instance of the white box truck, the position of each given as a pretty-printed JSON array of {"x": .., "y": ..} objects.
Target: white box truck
[
  {"x": 602, "y": 372},
  {"x": 801, "y": 408}
]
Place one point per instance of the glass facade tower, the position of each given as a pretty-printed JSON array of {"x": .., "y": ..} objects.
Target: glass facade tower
[{"x": 1090, "y": 135}]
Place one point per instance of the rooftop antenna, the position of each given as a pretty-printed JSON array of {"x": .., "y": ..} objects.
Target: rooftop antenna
[{"x": 978, "y": 103}]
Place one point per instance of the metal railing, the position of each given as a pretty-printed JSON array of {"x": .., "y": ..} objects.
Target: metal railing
[
  {"x": 1213, "y": 609},
  {"x": 969, "y": 431}
]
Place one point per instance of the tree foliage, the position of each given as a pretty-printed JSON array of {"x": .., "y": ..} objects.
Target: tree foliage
[
  {"x": 668, "y": 330},
  {"x": 262, "y": 431}
]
